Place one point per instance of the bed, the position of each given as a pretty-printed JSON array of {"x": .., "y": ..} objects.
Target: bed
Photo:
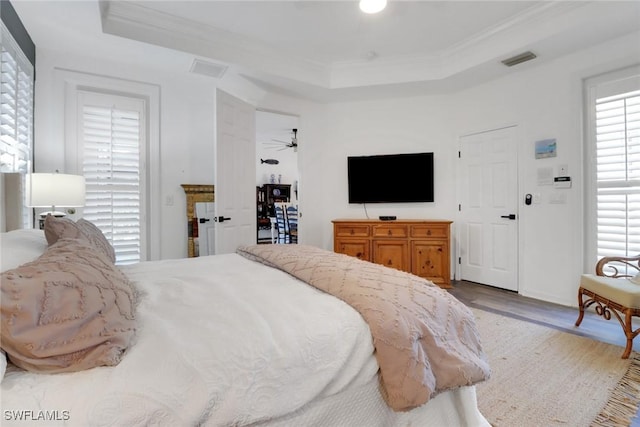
[{"x": 224, "y": 340}]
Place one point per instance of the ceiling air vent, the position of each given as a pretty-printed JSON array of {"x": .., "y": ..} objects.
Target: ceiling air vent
[
  {"x": 210, "y": 69},
  {"x": 518, "y": 59}
]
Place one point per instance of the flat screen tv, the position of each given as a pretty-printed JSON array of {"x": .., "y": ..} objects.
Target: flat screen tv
[{"x": 391, "y": 178}]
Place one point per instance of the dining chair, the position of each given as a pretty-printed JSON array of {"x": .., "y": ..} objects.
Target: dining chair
[
  {"x": 292, "y": 223},
  {"x": 281, "y": 224}
]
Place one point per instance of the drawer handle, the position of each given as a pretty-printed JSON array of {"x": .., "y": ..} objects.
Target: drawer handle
[
  {"x": 428, "y": 232},
  {"x": 351, "y": 231},
  {"x": 389, "y": 233}
]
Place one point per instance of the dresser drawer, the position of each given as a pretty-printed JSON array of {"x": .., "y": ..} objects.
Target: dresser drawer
[
  {"x": 351, "y": 230},
  {"x": 390, "y": 230},
  {"x": 430, "y": 230},
  {"x": 416, "y": 246}
]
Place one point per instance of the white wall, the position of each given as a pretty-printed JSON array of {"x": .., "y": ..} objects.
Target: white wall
[
  {"x": 186, "y": 131},
  {"x": 547, "y": 102},
  {"x": 544, "y": 101}
]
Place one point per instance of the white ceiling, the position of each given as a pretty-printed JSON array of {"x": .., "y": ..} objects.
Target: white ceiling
[{"x": 329, "y": 50}]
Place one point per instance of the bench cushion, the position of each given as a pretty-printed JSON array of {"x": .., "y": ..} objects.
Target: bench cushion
[{"x": 623, "y": 291}]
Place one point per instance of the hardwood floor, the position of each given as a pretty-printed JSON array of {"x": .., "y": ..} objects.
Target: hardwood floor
[{"x": 511, "y": 304}]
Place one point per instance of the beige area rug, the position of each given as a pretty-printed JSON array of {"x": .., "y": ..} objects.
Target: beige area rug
[{"x": 545, "y": 377}]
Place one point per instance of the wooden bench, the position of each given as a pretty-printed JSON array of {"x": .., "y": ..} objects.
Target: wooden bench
[{"x": 613, "y": 290}]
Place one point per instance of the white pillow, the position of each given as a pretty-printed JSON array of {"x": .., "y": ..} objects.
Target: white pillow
[
  {"x": 636, "y": 279},
  {"x": 20, "y": 246}
]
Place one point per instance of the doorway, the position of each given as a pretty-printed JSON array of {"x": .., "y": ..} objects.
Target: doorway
[
  {"x": 277, "y": 177},
  {"x": 488, "y": 211}
]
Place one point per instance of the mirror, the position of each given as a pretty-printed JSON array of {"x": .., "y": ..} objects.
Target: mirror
[
  {"x": 195, "y": 193},
  {"x": 205, "y": 213}
]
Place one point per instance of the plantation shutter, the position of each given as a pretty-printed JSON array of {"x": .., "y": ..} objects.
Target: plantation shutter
[
  {"x": 111, "y": 137},
  {"x": 618, "y": 174},
  {"x": 16, "y": 114},
  {"x": 16, "y": 119}
]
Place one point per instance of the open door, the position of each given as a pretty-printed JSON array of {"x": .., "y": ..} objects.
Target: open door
[{"x": 235, "y": 204}]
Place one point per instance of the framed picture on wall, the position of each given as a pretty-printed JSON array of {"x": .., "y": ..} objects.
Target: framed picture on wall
[{"x": 546, "y": 148}]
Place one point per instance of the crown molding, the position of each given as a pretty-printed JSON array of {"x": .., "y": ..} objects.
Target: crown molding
[
  {"x": 501, "y": 39},
  {"x": 143, "y": 23},
  {"x": 133, "y": 20}
]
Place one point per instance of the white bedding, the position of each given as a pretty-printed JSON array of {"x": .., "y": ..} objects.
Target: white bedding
[{"x": 226, "y": 341}]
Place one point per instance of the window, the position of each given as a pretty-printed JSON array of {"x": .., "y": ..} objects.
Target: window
[
  {"x": 112, "y": 105},
  {"x": 16, "y": 117},
  {"x": 615, "y": 122},
  {"x": 112, "y": 150},
  {"x": 16, "y": 122}
]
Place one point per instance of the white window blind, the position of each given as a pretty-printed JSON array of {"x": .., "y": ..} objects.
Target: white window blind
[
  {"x": 16, "y": 102},
  {"x": 618, "y": 174},
  {"x": 112, "y": 130}
]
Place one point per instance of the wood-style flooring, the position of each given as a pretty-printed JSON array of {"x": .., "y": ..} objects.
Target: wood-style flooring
[{"x": 555, "y": 316}]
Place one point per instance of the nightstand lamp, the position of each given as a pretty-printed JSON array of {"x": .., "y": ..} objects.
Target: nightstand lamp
[{"x": 48, "y": 190}]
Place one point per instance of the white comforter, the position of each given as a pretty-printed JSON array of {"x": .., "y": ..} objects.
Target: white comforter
[{"x": 221, "y": 341}]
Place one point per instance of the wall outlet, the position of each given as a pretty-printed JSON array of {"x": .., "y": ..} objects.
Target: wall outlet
[
  {"x": 563, "y": 170},
  {"x": 168, "y": 201}
]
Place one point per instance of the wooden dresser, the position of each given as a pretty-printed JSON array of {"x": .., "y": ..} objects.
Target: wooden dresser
[{"x": 420, "y": 247}]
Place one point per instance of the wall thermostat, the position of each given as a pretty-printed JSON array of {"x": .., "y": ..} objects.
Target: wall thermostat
[{"x": 562, "y": 182}]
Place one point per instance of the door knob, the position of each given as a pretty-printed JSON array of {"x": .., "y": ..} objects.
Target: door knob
[
  {"x": 203, "y": 220},
  {"x": 510, "y": 216},
  {"x": 221, "y": 219}
]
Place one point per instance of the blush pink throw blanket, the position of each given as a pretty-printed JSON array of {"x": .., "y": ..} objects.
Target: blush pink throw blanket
[{"x": 425, "y": 340}]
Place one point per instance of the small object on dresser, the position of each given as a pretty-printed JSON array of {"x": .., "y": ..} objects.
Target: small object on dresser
[{"x": 387, "y": 217}]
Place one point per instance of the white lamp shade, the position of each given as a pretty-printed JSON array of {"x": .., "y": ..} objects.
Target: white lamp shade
[{"x": 45, "y": 190}]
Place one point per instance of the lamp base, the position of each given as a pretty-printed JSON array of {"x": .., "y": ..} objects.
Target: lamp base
[
  {"x": 43, "y": 216},
  {"x": 57, "y": 214}
]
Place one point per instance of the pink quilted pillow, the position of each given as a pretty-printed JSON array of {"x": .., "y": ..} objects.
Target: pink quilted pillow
[
  {"x": 97, "y": 239},
  {"x": 60, "y": 228},
  {"x": 69, "y": 310}
]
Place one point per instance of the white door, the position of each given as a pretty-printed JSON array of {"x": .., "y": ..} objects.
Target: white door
[
  {"x": 235, "y": 186},
  {"x": 205, "y": 212},
  {"x": 488, "y": 231}
]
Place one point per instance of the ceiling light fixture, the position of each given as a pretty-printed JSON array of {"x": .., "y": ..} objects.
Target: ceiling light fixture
[{"x": 372, "y": 6}]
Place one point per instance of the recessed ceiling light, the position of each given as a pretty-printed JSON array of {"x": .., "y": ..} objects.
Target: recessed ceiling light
[{"x": 372, "y": 6}]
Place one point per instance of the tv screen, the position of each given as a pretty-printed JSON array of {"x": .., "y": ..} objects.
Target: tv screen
[{"x": 391, "y": 178}]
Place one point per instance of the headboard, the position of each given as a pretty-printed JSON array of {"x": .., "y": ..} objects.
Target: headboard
[{"x": 12, "y": 211}]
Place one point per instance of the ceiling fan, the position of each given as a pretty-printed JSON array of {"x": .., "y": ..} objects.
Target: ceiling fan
[{"x": 283, "y": 145}]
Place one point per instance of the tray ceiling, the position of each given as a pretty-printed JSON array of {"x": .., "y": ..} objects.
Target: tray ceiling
[{"x": 329, "y": 50}]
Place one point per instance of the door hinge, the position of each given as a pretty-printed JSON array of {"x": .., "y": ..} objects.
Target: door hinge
[
  {"x": 459, "y": 155},
  {"x": 459, "y": 207},
  {"x": 459, "y": 260}
]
